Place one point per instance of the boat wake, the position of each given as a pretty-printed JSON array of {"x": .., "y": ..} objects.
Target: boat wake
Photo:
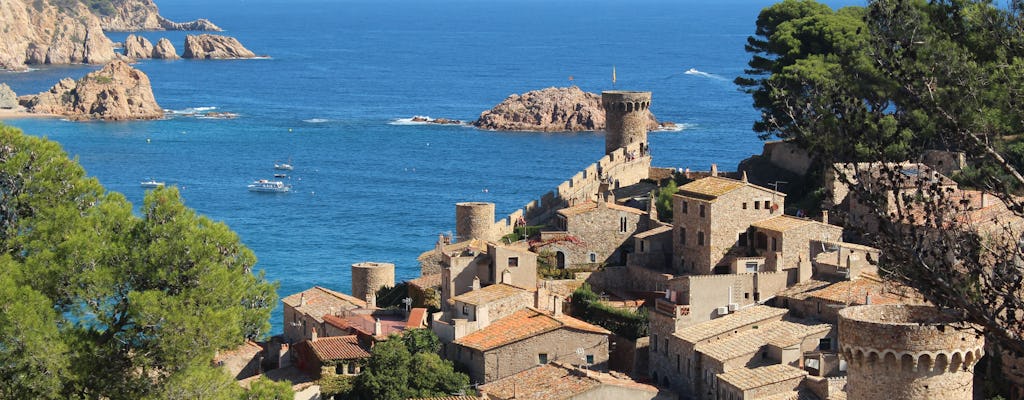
[
  {"x": 679, "y": 127},
  {"x": 425, "y": 120},
  {"x": 695, "y": 72},
  {"x": 207, "y": 112},
  {"x": 316, "y": 120},
  {"x": 191, "y": 111}
]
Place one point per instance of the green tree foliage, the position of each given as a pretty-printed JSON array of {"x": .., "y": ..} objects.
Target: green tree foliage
[
  {"x": 266, "y": 389},
  {"x": 664, "y": 200},
  {"x": 136, "y": 305},
  {"x": 400, "y": 369},
  {"x": 587, "y": 305}
]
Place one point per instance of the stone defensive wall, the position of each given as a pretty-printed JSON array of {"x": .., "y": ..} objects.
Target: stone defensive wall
[
  {"x": 622, "y": 167},
  {"x": 908, "y": 352}
]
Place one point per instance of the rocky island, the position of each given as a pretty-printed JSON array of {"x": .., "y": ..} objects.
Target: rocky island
[
  {"x": 208, "y": 47},
  {"x": 116, "y": 92},
  {"x": 566, "y": 109},
  {"x": 143, "y": 15}
]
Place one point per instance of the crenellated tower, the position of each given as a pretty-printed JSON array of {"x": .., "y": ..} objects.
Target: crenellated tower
[
  {"x": 626, "y": 119},
  {"x": 901, "y": 352}
]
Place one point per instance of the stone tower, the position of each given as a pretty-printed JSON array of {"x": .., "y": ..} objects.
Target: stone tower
[
  {"x": 474, "y": 220},
  {"x": 901, "y": 352},
  {"x": 626, "y": 118},
  {"x": 368, "y": 277}
]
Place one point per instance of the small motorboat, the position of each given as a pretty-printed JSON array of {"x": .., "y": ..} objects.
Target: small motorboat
[
  {"x": 280, "y": 175},
  {"x": 152, "y": 183},
  {"x": 283, "y": 167},
  {"x": 269, "y": 186}
]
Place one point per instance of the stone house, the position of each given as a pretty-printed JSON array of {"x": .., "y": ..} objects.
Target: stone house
[
  {"x": 374, "y": 325},
  {"x": 528, "y": 338},
  {"x": 304, "y": 311},
  {"x": 482, "y": 264},
  {"x": 593, "y": 234},
  {"x": 822, "y": 300},
  {"x": 475, "y": 310},
  {"x": 712, "y": 216},
  {"x": 243, "y": 361},
  {"x": 335, "y": 355},
  {"x": 784, "y": 241},
  {"x": 760, "y": 382},
  {"x": 563, "y": 381}
]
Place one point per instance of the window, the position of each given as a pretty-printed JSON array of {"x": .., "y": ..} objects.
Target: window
[
  {"x": 542, "y": 358},
  {"x": 682, "y": 236},
  {"x": 513, "y": 261},
  {"x": 664, "y": 348},
  {"x": 593, "y": 257},
  {"x": 825, "y": 344},
  {"x": 679, "y": 367},
  {"x": 590, "y": 359},
  {"x": 641, "y": 246},
  {"x": 701, "y": 210},
  {"x": 685, "y": 206},
  {"x": 465, "y": 309},
  {"x": 751, "y": 267},
  {"x": 339, "y": 369},
  {"x": 700, "y": 238},
  {"x": 767, "y": 204},
  {"x": 622, "y": 224},
  {"x": 775, "y": 244},
  {"x": 757, "y": 205},
  {"x": 351, "y": 368},
  {"x": 746, "y": 295},
  {"x": 744, "y": 205}
]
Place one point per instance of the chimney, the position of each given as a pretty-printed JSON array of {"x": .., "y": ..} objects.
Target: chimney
[
  {"x": 824, "y": 216},
  {"x": 714, "y": 169},
  {"x": 984, "y": 203},
  {"x": 744, "y": 178},
  {"x": 302, "y": 299},
  {"x": 476, "y": 283},
  {"x": 371, "y": 300},
  {"x": 867, "y": 298},
  {"x": 506, "y": 277},
  {"x": 652, "y": 206},
  {"x": 556, "y": 308},
  {"x": 313, "y": 336},
  {"x": 377, "y": 331}
]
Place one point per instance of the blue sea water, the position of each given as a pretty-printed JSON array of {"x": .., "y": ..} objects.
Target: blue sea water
[{"x": 341, "y": 77}]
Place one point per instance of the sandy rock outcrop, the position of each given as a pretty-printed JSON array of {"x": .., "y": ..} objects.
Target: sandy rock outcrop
[
  {"x": 553, "y": 109},
  {"x": 143, "y": 15},
  {"x": 114, "y": 93},
  {"x": 137, "y": 47},
  {"x": 8, "y": 100},
  {"x": 164, "y": 50},
  {"x": 38, "y": 32},
  {"x": 208, "y": 46}
]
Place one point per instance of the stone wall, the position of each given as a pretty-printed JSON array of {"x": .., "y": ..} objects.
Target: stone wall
[
  {"x": 787, "y": 156},
  {"x": 908, "y": 352},
  {"x": 603, "y": 239},
  {"x": 559, "y": 345}
]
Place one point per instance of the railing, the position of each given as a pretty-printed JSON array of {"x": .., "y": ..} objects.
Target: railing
[{"x": 671, "y": 309}]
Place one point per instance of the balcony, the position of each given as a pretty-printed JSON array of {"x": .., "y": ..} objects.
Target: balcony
[{"x": 671, "y": 309}]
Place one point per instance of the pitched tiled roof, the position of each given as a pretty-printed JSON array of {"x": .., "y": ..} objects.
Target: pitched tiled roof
[
  {"x": 591, "y": 206},
  {"x": 748, "y": 342},
  {"x": 747, "y": 378},
  {"x": 366, "y": 323},
  {"x": 320, "y": 301},
  {"x": 488, "y": 294},
  {"x": 803, "y": 289},
  {"x": 783, "y": 223},
  {"x": 711, "y": 186},
  {"x": 520, "y": 325},
  {"x": 338, "y": 348},
  {"x": 546, "y": 382},
  {"x": 741, "y": 318},
  {"x": 854, "y": 292},
  {"x": 654, "y": 231},
  {"x": 417, "y": 317},
  {"x": 426, "y": 281}
]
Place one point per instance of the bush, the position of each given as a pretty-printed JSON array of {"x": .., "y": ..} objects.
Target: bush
[{"x": 587, "y": 305}]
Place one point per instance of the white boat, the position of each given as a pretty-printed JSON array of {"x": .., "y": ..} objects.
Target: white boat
[
  {"x": 280, "y": 175},
  {"x": 264, "y": 185},
  {"x": 283, "y": 166},
  {"x": 152, "y": 183}
]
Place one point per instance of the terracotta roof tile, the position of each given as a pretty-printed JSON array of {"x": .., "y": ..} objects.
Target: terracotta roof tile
[
  {"x": 748, "y": 342},
  {"x": 783, "y": 223},
  {"x": 417, "y": 318},
  {"x": 366, "y": 323},
  {"x": 741, "y": 318},
  {"x": 854, "y": 292},
  {"x": 520, "y": 325},
  {"x": 747, "y": 378},
  {"x": 488, "y": 294},
  {"x": 589, "y": 206},
  {"x": 546, "y": 382},
  {"x": 426, "y": 281},
  {"x": 319, "y": 301},
  {"x": 337, "y": 348},
  {"x": 654, "y": 231}
]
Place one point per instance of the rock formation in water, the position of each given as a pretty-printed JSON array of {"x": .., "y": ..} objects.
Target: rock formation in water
[
  {"x": 114, "y": 93},
  {"x": 8, "y": 100},
  {"x": 165, "y": 50},
  {"x": 143, "y": 15},
  {"x": 38, "y": 32},
  {"x": 548, "y": 110},
  {"x": 137, "y": 47},
  {"x": 208, "y": 46}
]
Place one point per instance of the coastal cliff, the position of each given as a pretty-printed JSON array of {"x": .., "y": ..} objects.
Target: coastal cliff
[
  {"x": 143, "y": 15},
  {"x": 39, "y": 32},
  {"x": 553, "y": 109},
  {"x": 114, "y": 93},
  {"x": 208, "y": 46}
]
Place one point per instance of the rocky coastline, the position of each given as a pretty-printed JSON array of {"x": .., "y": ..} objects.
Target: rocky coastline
[
  {"x": 565, "y": 109},
  {"x": 214, "y": 47}
]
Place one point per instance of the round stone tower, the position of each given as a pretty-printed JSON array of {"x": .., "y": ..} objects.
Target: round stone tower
[
  {"x": 474, "y": 220},
  {"x": 901, "y": 352},
  {"x": 625, "y": 115},
  {"x": 368, "y": 277}
]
